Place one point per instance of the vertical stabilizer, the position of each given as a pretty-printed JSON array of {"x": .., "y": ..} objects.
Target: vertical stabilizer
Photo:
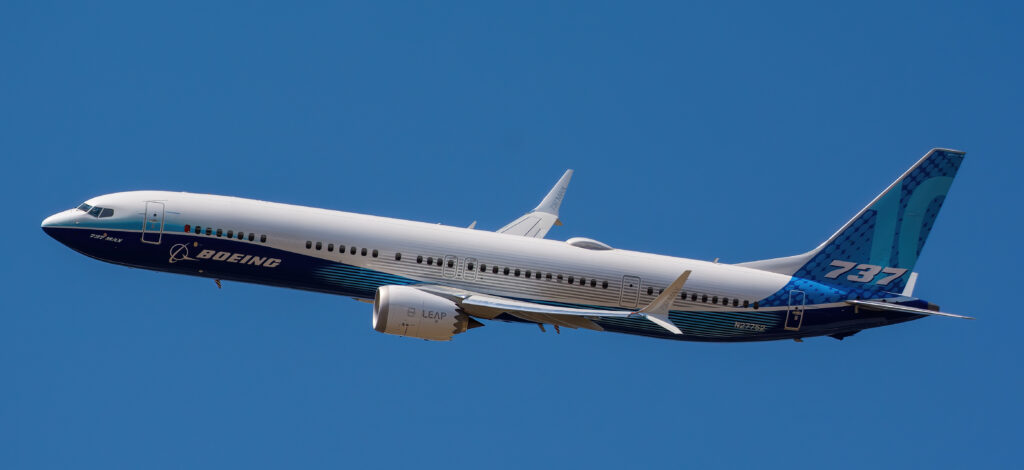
[{"x": 878, "y": 247}]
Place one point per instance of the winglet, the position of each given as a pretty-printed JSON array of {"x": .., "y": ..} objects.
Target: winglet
[
  {"x": 657, "y": 310},
  {"x": 537, "y": 222},
  {"x": 553, "y": 201}
]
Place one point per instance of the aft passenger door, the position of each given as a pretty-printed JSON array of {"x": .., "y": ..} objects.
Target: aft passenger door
[
  {"x": 153, "y": 222},
  {"x": 795, "y": 314}
]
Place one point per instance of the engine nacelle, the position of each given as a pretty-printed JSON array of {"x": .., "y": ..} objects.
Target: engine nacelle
[{"x": 407, "y": 311}]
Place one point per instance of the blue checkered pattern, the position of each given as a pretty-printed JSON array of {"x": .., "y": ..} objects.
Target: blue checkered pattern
[{"x": 891, "y": 231}]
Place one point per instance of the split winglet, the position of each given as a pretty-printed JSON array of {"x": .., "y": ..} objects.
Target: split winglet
[{"x": 657, "y": 310}]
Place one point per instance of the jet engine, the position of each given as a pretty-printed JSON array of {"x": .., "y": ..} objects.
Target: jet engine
[{"x": 407, "y": 311}]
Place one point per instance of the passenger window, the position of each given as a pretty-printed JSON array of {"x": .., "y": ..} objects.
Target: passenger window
[
  {"x": 231, "y": 234},
  {"x": 107, "y": 213},
  {"x": 438, "y": 260},
  {"x": 375, "y": 253},
  {"x": 451, "y": 263},
  {"x": 188, "y": 228},
  {"x": 529, "y": 274},
  {"x": 220, "y": 232},
  {"x": 483, "y": 267},
  {"x": 559, "y": 278},
  {"x": 419, "y": 259},
  {"x": 506, "y": 271},
  {"x": 693, "y": 297},
  {"x": 756, "y": 305},
  {"x": 704, "y": 298},
  {"x": 735, "y": 302},
  {"x": 547, "y": 276},
  {"x": 494, "y": 270},
  {"x": 209, "y": 231},
  {"x": 362, "y": 252},
  {"x": 604, "y": 284},
  {"x": 319, "y": 246},
  {"x": 341, "y": 248},
  {"x": 198, "y": 230},
  {"x": 352, "y": 250},
  {"x": 593, "y": 283},
  {"x": 650, "y": 291},
  {"x": 309, "y": 244},
  {"x": 582, "y": 281},
  {"x": 330, "y": 247},
  {"x": 470, "y": 266},
  {"x": 746, "y": 303},
  {"x": 263, "y": 238},
  {"x": 252, "y": 236},
  {"x": 241, "y": 235},
  {"x": 571, "y": 279},
  {"x": 537, "y": 275},
  {"x": 398, "y": 257},
  {"x": 430, "y": 260},
  {"x": 517, "y": 272},
  {"x": 714, "y": 299}
]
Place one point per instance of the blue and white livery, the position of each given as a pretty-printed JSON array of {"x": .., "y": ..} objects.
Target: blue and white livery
[{"x": 433, "y": 281}]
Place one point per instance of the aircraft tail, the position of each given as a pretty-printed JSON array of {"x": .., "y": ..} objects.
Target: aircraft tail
[{"x": 877, "y": 249}]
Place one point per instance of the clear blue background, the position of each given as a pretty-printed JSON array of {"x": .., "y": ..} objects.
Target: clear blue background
[{"x": 717, "y": 129}]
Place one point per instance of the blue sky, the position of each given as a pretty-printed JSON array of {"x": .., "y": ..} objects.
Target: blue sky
[{"x": 720, "y": 129}]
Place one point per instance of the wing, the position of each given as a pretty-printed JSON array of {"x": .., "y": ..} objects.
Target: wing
[
  {"x": 537, "y": 222},
  {"x": 490, "y": 306}
]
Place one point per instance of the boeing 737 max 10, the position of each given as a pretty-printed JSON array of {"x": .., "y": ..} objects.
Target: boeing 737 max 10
[{"x": 433, "y": 281}]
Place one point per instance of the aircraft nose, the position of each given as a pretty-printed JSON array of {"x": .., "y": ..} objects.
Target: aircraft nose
[
  {"x": 60, "y": 219},
  {"x": 50, "y": 221}
]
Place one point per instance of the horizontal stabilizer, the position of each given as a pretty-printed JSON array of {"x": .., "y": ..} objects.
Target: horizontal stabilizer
[{"x": 890, "y": 307}]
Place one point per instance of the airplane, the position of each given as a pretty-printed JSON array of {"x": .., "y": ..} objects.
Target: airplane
[{"x": 432, "y": 281}]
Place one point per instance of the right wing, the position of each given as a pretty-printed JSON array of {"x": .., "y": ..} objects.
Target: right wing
[{"x": 537, "y": 222}]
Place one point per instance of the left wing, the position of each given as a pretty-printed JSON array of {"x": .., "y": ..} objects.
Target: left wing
[
  {"x": 537, "y": 222},
  {"x": 490, "y": 306}
]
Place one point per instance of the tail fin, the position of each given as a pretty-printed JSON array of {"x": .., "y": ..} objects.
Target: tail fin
[{"x": 878, "y": 248}]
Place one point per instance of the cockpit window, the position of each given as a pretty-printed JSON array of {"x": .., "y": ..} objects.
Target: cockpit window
[{"x": 96, "y": 211}]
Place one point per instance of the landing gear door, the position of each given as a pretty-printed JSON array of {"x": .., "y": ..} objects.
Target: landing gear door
[
  {"x": 795, "y": 314},
  {"x": 153, "y": 222}
]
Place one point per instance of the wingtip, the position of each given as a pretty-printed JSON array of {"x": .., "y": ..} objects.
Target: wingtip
[{"x": 552, "y": 202}]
